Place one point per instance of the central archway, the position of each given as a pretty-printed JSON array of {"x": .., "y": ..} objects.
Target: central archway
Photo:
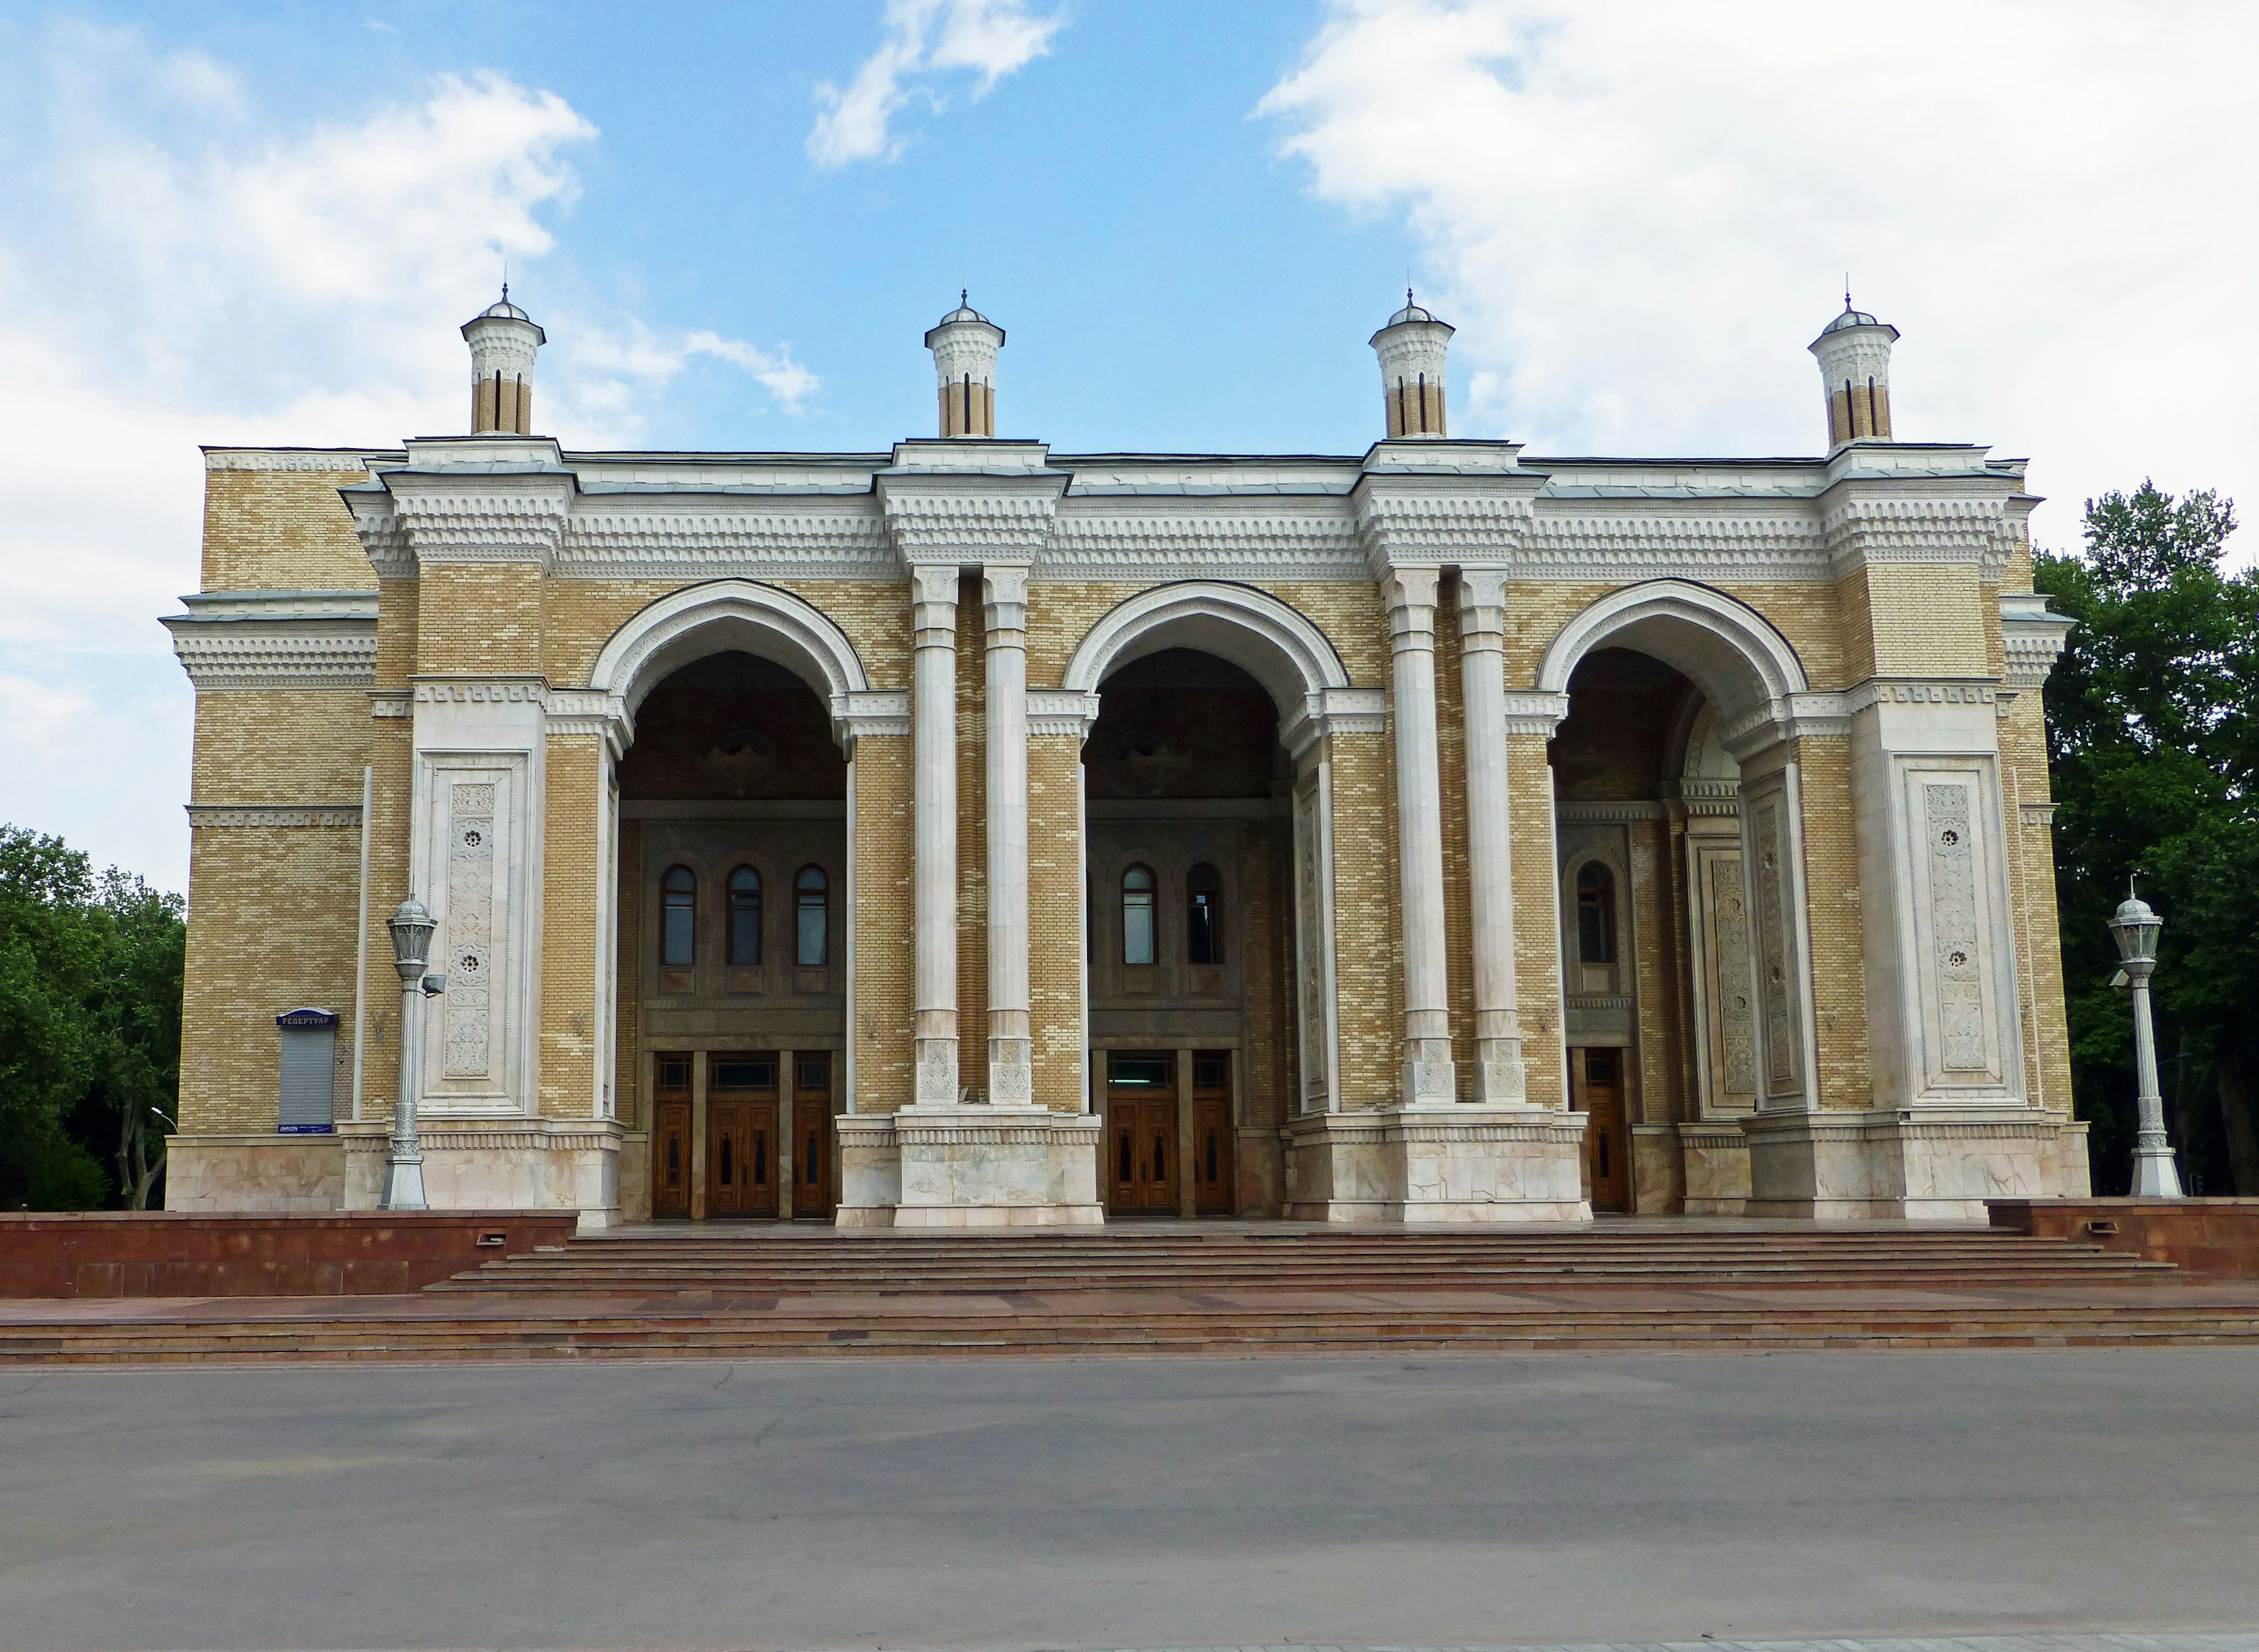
[
  {"x": 731, "y": 967},
  {"x": 1208, "y": 871}
]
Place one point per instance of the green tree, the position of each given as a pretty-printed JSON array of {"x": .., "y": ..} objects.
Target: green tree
[
  {"x": 2152, "y": 745},
  {"x": 91, "y": 974}
]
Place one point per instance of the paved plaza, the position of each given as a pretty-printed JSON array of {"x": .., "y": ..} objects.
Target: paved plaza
[{"x": 1131, "y": 1503}]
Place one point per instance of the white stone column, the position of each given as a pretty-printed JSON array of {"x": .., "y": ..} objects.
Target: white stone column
[
  {"x": 1430, "y": 1078},
  {"x": 1011, "y": 1079},
  {"x": 933, "y": 711},
  {"x": 1497, "y": 1076}
]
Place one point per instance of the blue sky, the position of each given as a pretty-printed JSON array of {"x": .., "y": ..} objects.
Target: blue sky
[{"x": 237, "y": 222}]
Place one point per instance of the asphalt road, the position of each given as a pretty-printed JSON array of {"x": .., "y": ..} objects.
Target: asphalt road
[{"x": 899, "y": 1503}]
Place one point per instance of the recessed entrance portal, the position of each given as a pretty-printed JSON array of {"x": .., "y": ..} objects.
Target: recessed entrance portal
[
  {"x": 1189, "y": 843},
  {"x": 1596, "y": 1091},
  {"x": 733, "y": 869},
  {"x": 1141, "y": 1133}
]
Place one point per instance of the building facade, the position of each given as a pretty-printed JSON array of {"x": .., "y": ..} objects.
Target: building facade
[{"x": 974, "y": 834}]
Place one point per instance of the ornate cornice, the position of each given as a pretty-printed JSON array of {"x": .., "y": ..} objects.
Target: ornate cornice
[
  {"x": 940, "y": 517},
  {"x": 293, "y": 459},
  {"x": 1066, "y": 712},
  {"x": 1622, "y": 812},
  {"x": 272, "y": 815},
  {"x": 1158, "y": 542},
  {"x": 479, "y": 691},
  {"x": 482, "y": 518},
  {"x": 806, "y": 538},
  {"x": 1427, "y": 522},
  {"x": 277, "y": 639},
  {"x": 1333, "y": 711},
  {"x": 2032, "y": 638},
  {"x": 1574, "y": 540},
  {"x": 872, "y": 712},
  {"x": 1904, "y": 691},
  {"x": 1536, "y": 712},
  {"x": 1862, "y": 527}
]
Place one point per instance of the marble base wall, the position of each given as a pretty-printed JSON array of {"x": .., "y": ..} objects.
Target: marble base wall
[
  {"x": 1716, "y": 1156},
  {"x": 1658, "y": 1170},
  {"x": 1934, "y": 1165},
  {"x": 491, "y": 1165},
  {"x": 254, "y": 1174},
  {"x": 1442, "y": 1166},
  {"x": 1261, "y": 1163},
  {"x": 977, "y": 1166}
]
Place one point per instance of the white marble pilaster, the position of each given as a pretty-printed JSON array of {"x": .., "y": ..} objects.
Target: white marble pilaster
[
  {"x": 1011, "y": 1081},
  {"x": 933, "y": 711},
  {"x": 1429, "y": 1077},
  {"x": 1498, "y": 1075}
]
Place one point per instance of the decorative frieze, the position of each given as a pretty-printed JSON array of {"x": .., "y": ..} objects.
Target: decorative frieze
[
  {"x": 272, "y": 816},
  {"x": 278, "y": 639},
  {"x": 827, "y": 539},
  {"x": 2032, "y": 639},
  {"x": 1060, "y": 712},
  {"x": 295, "y": 459}
]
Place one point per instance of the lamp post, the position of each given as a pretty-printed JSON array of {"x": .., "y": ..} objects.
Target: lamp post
[
  {"x": 2136, "y": 929},
  {"x": 412, "y": 928}
]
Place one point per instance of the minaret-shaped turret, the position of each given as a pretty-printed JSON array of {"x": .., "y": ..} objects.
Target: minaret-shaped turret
[
  {"x": 1854, "y": 351},
  {"x": 1412, "y": 348},
  {"x": 503, "y": 339},
  {"x": 965, "y": 343}
]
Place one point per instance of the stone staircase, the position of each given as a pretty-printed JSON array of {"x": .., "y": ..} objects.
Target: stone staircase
[
  {"x": 1238, "y": 1290},
  {"x": 1243, "y": 1258}
]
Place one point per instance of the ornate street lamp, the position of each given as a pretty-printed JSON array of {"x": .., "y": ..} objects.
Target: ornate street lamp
[
  {"x": 2136, "y": 929},
  {"x": 411, "y": 928}
]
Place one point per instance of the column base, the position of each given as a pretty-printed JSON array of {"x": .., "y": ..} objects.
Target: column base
[
  {"x": 969, "y": 1167},
  {"x": 1444, "y": 1165},
  {"x": 1921, "y": 1163}
]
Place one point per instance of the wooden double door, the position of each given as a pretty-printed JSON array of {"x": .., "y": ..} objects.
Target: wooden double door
[
  {"x": 1596, "y": 1089},
  {"x": 1152, "y": 1158},
  {"x": 748, "y": 1169}
]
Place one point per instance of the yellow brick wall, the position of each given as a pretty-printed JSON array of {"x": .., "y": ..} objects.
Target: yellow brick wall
[
  {"x": 1927, "y": 619},
  {"x": 1536, "y": 920},
  {"x": 1268, "y": 1070},
  {"x": 1368, "y": 930},
  {"x": 1660, "y": 969},
  {"x": 391, "y": 755},
  {"x": 281, "y": 531},
  {"x": 1831, "y": 881},
  {"x": 570, "y": 878},
  {"x": 885, "y": 930},
  {"x": 1806, "y": 614},
  {"x": 2024, "y": 791},
  {"x": 1055, "y": 901},
  {"x": 299, "y": 746},
  {"x": 478, "y": 617},
  {"x": 1451, "y": 767},
  {"x": 396, "y": 604},
  {"x": 1061, "y": 612},
  {"x": 627, "y": 983},
  {"x": 971, "y": 840},
  {"x": 582, "y": 615},
  {"x": 273, "y": 930}
]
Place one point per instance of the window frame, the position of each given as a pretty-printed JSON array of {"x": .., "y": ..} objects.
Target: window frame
[
  {"x": 1144, "y": 899},
  {"x": 735, "y": 909},
  {"x": 668, "y": 906},
  {"x": 1596, "y": 913},
  {"x": 1204, "y": 914},
  {"x": 801, "y": 906}
]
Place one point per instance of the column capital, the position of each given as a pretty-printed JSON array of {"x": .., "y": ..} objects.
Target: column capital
[
  {"x": 1482, "y": 610},
  {"x": 1004, "y": 595},
  {"x": 1410, "y": 591},
  {"x": 934, "y": 583}
]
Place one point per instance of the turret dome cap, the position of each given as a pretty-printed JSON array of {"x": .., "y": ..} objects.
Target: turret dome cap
[
  {"x": 964, "y": 314},
  {"x": 1412, "y": 312},
  {"x": 502, "y": 309}
]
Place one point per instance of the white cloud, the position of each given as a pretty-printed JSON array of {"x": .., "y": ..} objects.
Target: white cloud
[
  {"x": 176, "y": 270},
  {"x": 1639, "y": 213},
  {"x": 924, "y": 38}
]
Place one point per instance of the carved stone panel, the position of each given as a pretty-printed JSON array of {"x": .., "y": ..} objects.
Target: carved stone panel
[
  {"x": 476, "y": 876},
  {"x": 1768, "y": 850},
  {"x": 1733, "y": 985},
  {"x": 1959, "y": 928},
  {"x": 1311, "y": 986}
]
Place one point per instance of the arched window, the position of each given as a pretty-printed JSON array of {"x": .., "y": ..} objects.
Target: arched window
[
  {"x": 812, "y": 904},
  {"x": 1137, "y": 915},
  {"x": 744, "y": 916},
  {"x": 1204, "y": 914},
  {"x": 678, "y": 925},
  {"x": 1596, "y": 914}
]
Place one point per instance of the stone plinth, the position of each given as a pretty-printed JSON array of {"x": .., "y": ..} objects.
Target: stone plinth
[
  {"x": 487, "y": 1164},
  {"x": 1446, "y": 1164},
  {"x": 1939, "y": 1165},
  {"x": 976, "y": 1166},
  {"x": 1717, "y": 1167}
]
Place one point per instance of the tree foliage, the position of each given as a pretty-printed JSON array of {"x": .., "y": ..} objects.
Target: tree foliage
[
  {"x": 90, "y": 977},
  {"x": 2153, "y": 732}
]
